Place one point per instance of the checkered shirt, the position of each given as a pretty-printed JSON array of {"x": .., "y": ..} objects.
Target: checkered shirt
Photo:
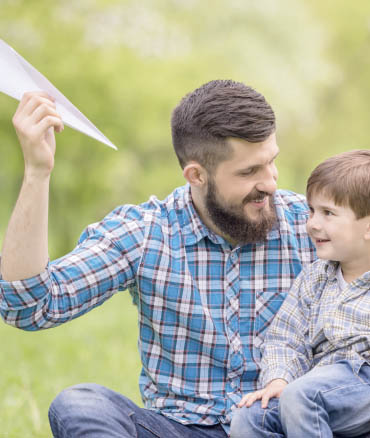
[
  {"x": 318, "y": 324},
  {"x": 203, "y": 305}
]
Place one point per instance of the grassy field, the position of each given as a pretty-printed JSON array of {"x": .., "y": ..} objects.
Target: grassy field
[{"x": 99, "y": 347}]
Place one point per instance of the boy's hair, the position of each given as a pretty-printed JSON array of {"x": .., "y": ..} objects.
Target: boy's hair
[
  {"x": 204, "y": 119},
  {"x": 346, "y": 179}
]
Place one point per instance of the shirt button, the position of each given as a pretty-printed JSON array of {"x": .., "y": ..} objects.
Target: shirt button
[{"x": 327, "y": 325}]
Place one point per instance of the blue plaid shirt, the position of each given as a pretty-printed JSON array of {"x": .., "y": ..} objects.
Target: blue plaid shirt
[{"x": 203, "y": 305}]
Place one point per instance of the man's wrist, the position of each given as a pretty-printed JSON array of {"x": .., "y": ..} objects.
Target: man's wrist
[{"x": 36, "y": 175}]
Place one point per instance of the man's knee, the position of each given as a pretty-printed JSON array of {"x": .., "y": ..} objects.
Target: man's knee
[
  {"x": 88, "y": 398},
  {"x": 85, "y": 395},
  {"x": 75, "y": 396},
  {"x": 92, "y": 407}
]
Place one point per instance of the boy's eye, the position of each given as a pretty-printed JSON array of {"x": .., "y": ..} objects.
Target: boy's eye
[{"x": 328, "y": 213}]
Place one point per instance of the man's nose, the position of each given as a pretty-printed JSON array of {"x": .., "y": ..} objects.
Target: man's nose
[{"x": 268, "y": 182}]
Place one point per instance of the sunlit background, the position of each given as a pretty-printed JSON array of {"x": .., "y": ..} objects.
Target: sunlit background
[{"x": 126, "y": 64}]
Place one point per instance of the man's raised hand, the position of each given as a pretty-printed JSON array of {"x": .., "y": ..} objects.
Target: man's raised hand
[
  {"x": 273, "y": 389},
  {"x": 35, "y": 120}
]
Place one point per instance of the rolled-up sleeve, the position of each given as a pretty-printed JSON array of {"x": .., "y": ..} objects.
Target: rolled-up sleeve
[{"x": 104, "y": 261}]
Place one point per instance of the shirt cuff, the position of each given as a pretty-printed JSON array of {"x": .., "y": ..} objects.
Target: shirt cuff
[
  {"x": 275, "y": 373},
  {"x": 21, "y": 294}
]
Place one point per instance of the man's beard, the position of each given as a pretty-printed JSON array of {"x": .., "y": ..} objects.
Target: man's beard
[{"x": 231, "y": 220}]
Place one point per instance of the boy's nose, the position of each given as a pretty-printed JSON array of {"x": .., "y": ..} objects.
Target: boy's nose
[{"x": 313, "y": 224}]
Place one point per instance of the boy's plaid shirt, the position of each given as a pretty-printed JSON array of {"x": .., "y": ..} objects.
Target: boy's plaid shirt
[
  {"x": 318, "y": 324},
  {"x": 203, "y": 306}
]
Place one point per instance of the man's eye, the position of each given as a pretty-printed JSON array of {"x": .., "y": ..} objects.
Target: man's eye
[{"x": 249, "y": 172}]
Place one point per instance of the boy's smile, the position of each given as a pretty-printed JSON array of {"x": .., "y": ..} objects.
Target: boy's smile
[{"x": 338, "y": 235}]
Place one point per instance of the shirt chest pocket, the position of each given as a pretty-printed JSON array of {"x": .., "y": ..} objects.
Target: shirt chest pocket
[{"x": 267, "y": 305}]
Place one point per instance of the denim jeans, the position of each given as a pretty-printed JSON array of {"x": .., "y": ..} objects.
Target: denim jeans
[
  {"x": 93, "y": 411},
  {"x": 332, "y": 400}
]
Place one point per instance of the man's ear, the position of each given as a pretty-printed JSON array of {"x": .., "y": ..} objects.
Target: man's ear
[
  {"x": 195, "y": 174},
  {"x": 367, "y": 232}
]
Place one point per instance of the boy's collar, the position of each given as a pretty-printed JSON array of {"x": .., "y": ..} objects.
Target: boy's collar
[{"x": 331, "y": 268}]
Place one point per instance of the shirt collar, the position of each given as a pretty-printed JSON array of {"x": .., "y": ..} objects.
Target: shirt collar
[
  {"x": 194, "y": 229},
  {"x": 331, "y": 268}
]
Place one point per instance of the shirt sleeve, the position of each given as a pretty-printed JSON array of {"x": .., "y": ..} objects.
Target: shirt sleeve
[
  {"x": 286, "y": 352},
  {"x": 104, "y": 261}
]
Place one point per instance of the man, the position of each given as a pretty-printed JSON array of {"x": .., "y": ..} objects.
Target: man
[{"x": 208, "y": 267}]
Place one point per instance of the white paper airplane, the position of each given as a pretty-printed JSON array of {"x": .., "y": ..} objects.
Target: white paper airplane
[{"x": 17, "y": 76}]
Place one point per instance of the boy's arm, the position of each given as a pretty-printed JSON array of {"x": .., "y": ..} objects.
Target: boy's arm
[
  {"x": 286, "y": 353},
  {"x": 25, "y": 247}
]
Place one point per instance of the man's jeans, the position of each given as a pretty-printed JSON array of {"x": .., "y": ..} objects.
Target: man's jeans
[
  {"x": 94, "y": 411},
  {"x": 332, "y": 399}
]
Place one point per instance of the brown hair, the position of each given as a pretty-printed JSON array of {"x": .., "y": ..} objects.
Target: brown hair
[
  {"x": 204, "y": 119},
  {"x": 346, "y": 179}
]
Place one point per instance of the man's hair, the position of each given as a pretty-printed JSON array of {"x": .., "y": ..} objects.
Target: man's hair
[
  {"x": 204, "y": 119},
  {"x": 345, "y": 178}
]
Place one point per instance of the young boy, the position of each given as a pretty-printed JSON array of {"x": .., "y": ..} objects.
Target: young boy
[{"x": 315, "y": 368}]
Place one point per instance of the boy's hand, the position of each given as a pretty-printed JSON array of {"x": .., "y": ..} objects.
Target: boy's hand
[{"x": 273, "y": 389}]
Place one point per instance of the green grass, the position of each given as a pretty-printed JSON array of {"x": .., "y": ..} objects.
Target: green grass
[{"x": 99, "y": 347}]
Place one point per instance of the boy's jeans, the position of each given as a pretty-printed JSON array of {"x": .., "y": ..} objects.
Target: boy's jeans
[
  {"x": 94, "y": 411},
  {"x": 332, "y": 399}
]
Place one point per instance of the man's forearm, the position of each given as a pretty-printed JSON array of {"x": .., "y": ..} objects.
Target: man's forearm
[{"x": 25, "y": 247}]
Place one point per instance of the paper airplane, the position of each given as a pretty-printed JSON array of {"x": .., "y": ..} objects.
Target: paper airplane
[{"x": 17, "y": 76}]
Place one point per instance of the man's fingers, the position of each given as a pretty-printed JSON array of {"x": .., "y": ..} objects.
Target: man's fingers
[
  {"x": 31, "y": 95},
  {"x": 38, "y": 112},
  {"x": 32, "y": 110},
  {"x": 50, "y": 121},
  {"x": 43, "y": 110},
  {"x": 36, "y": 102},
  {"x": 31, "y": 106}
]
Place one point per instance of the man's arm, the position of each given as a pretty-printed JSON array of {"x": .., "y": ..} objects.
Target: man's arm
[
  {"x": 25, "y": 247},
  {"x": 35, "y": 294}
]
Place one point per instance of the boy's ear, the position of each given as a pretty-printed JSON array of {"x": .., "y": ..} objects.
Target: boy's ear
[{"x": 195, "y": 174}]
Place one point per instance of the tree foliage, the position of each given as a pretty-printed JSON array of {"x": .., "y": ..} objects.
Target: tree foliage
[{"x": 126, "y": 64}]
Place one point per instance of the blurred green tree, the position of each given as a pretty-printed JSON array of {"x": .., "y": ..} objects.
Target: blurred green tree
[{"x": 126, "y": 64}]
